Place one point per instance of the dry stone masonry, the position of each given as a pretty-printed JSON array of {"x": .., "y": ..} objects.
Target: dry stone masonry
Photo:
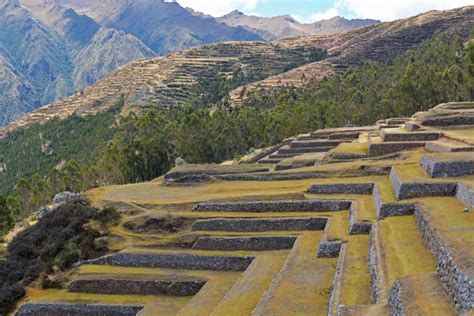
[{"x": 389, "y": 231}]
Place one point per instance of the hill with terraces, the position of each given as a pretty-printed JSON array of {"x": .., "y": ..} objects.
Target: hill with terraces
[
  {"x": 372, "y": 220},
  {"x": 170, "y": 81}
]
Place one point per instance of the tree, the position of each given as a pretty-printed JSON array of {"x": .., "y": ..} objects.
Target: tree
[{"x": 7, "y": 221}]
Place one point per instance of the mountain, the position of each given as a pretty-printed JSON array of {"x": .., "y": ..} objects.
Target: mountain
[
  {"x": 163, "y": 26},
  {"x": 48, "y": 52},
  {"x": 285, "y": 26},
  {"x": 172, "y": 80}
]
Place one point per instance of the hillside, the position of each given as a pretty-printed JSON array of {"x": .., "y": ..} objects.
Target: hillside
[
  {"x": 374, "y": 220},
  {"x": 379, "y": 43},
  {"x": 163, "y": 26},
  {"x": 48, "y": 52},
  {"x": 170, "y": 80},
  {"x": 279, "y": 27}
]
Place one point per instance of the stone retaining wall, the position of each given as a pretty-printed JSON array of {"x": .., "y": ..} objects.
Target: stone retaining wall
[
  {"x": 175, "y": 261},
  {"x": 286, "y": 151},
  {"x": 447, "y": 168},
  {"x": 56, "y": 309},
  {"x": 409, "y": 137},
  {"x": 449, "y": 120},
  {"x": 395, "y": 301},
  {"x": 347, "y": 156},
  {"x": 266, "y": 152},
  {"x": 275, "y": 206},
  {"x": 381, "y": 149},
  {"x": 281, "y": 166},
  {"x": 342, "y": 188},
  {"x": 315, "y": 144},
  {"x": 173, "y": 287},
  {"x": 355, "y": 227},
  {"x": 373, "y": 269},
  {"x": 465, "y": 194},
  {"x": 251, "y": 243},
  {"x": 390, "y": 209},
  {"x": 260, "y": 225},
  {"x": 458, "y": 285},
  {"x": 412, "y": 190}
]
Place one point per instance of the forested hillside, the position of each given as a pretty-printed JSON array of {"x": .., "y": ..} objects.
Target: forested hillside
[{"x": 82, "y": 152}]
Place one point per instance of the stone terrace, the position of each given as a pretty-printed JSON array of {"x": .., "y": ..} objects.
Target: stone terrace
[{"x": 350, "y": 221}]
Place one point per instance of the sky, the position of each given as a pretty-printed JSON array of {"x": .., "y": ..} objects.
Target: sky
[{"x": 314, "y": 10}]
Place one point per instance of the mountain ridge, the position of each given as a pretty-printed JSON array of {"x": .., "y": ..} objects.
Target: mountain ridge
[
  {"x": 279, "y": 27},
  {"x": 167, "y": 81}
]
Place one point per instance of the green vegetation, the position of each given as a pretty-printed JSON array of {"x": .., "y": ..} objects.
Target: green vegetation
[
  {"x": 52, "y": 245},
  {"x": 83, "y": 152}
]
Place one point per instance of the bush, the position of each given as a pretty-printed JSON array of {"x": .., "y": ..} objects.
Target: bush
[{"x": 60, "y": 239}]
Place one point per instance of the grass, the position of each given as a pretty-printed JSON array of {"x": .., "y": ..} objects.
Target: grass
[
  {"x": 351, "y": 148},
  {"x": 403, "y": 249},
  {"x": 356, "y": 288},
  {"x": 303, "y": 285},
  {"x": 247, "y": 291}
]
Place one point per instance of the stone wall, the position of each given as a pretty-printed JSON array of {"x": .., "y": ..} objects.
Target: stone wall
[
  {"x": 449, "y": 120},
  {"x": 465, "y": 195},
  {"x": 373, "y": 269},
  {"x": 329, "y": 249},
  {"x": 447, "y": 168},
  {"x": 390, "y": 209},
  {"x": 260, "y": 225},
  {"x": 409, "y": 137},
  {"x": 381, "y": 149},
  {"x": 175, "y": 261},
  {"x": 342, "y": 188},
  {"x": 412, "y": 190},
  {"x": 56, "y": 309},
  {"x": 169, "y": 286},
  {"x": 395, "y": 301},
  {"x": 458, "y": 285},
  {"x": 275, "y": 206},
  {"x": 356, "y": 227},
  {"x": 285, "y": 151},
  {"x": 328, "y": 143},
  {"x": 250, "y": 243}
]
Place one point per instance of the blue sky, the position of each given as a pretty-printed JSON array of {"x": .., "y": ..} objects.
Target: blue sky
[{"x": 313, "y": 10}]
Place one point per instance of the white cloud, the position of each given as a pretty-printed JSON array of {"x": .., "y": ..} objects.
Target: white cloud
[
  {"x": 218, "y": 7},
  {"x": 387, "y": 10},
  {"x": 318, "y": 16}
]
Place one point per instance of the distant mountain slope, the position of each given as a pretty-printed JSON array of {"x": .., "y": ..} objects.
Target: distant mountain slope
[
  {"x": 285, "y": 26},
  {"x": 163, "y": 26},
  {"x": 48, "y": 52},
  {"x": 169, "y": 81},
  {"x": 380, "y": 43}
]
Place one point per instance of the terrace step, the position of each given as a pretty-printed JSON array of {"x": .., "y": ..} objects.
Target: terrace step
[
  {"x": 313, "y": 144},
  {"x": 449, "y": 234},
  {"x": 269, "y": 161},
  {"x": 342, "y": 188},
  {"x": 137, "y": 285},
  {"x": 254, "y": 243},
  {"x": 389, "y": 136},
  {"x": 302, "y": 287},
  {"x": 448, "y": 165},
  {"x": 175, "y": 261},
  {"x": 385, "y": 148},
  {"x": 275, "y": 206},
  {"x": 260, "y": 225},
  {"x": 305, "y": 150},
  {"x": 54, "y": 309},
  {"x": 420, "y": 294},
  {"x": 407, "y": 188}
]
